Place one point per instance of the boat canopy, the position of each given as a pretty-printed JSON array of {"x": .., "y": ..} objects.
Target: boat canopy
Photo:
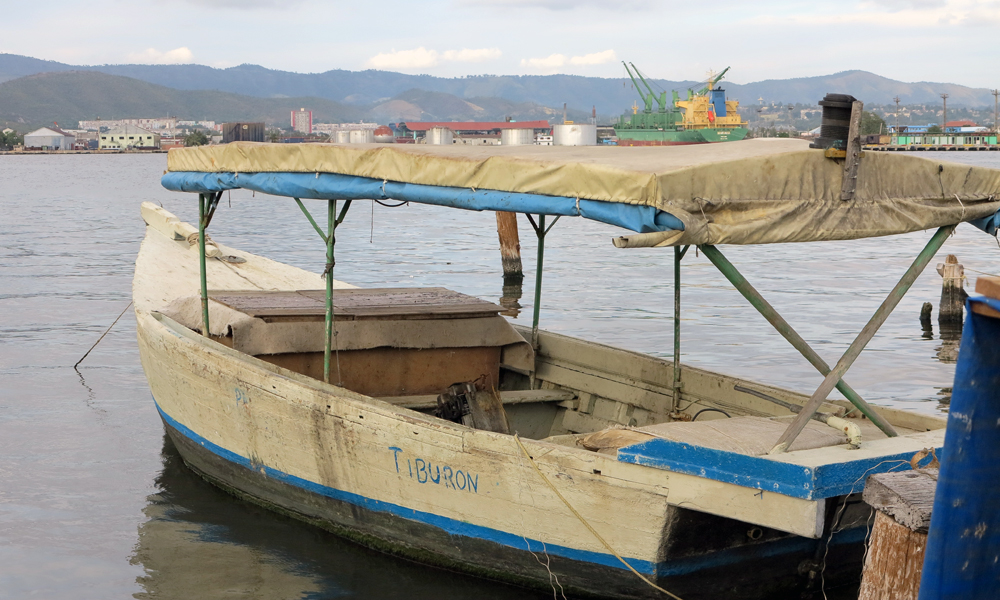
[{"x": 749, "y": 192}]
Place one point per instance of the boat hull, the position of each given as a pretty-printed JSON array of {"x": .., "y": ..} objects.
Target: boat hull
[
  {"x": 364, "y": 471},
  {"x": 656, "y": 137},
  {"x": 742, "y": 573}
]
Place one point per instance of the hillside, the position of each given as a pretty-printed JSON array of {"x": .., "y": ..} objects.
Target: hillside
[
  {"x": 71, "y": 96},
  {"x": 611, "y": 96}
]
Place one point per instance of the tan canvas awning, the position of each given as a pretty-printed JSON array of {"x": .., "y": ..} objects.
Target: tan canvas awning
[{"x": 748, "y": 192}]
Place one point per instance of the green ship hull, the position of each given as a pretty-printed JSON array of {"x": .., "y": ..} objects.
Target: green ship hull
[{"x": 659, "y": 137}]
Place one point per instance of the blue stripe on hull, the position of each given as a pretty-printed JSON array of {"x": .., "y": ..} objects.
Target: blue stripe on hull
[
  {"x": 452, "y": 526},
  {"x": 677, "y": 567}
]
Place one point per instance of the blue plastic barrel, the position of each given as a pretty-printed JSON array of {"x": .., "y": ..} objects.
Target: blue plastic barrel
[{"x": 962, "y": 560}]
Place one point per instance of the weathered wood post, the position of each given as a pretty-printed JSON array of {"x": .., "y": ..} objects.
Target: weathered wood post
[
  {"x": 952, "y": 291},
  {"x": 902, "y": 501},
  {"x": 510, "y": 248},
  {"x": 925, "y": 317}
]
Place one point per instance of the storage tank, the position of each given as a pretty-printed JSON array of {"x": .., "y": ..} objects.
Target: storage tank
[
  {"x": 342, "y": 136},
  {"x": 362, "y": 136},
  {"x": 517, "y": 137},
  {"x": 439, "y": 136},
  {"x": 383, "y": 135},
  {"x": 574, "y": 134}
]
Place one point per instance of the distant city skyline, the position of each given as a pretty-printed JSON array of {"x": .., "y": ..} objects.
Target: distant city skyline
[{"x": 908, "y": 40}]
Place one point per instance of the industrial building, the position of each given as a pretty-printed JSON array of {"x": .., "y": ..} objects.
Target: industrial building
[
  {"x": 156, "y": 123},
  {"x": 302, "y": 121},
  {"x": 49, "y": 138},
  {"x": 477, "y": 132},
  {"x": 129, "y": 137}
]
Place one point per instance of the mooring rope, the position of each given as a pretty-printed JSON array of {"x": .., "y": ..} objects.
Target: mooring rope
[
  {"x": 588, "y": 525},
  {"x": 102, "y": 336}
]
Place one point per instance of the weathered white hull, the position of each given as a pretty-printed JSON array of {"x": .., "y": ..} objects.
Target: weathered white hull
[{"x": 442, "y": 493}]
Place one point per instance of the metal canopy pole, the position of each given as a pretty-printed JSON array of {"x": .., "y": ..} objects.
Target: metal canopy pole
[
  {"x": 778, "y": 322},
  {"x": 540, "y": 232},
  {"x": 202, "y": 223},
  {"x": 678, "y": 255},
  {"x": 863, "y": 338},
  {"x": 330, "y": 239}
]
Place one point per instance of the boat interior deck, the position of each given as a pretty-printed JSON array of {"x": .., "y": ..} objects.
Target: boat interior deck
[{"x": 417, "y": 348}]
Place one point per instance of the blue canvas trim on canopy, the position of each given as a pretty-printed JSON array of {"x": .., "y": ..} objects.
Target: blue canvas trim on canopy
[{"x": 333, "y": 186}]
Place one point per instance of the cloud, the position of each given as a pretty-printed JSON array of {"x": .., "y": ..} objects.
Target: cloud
[
  {"x": 597, "y": 58},
  {"x": 422, "y": 58},
  {"x": 566, "y": 4},
  {"x": 555, "y": 61},
  {"x": 245, "y": 4},
  {"x": 177, "y": 56}
]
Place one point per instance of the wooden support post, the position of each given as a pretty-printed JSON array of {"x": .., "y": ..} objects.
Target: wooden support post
[
  {"x": 853, "y": 150},
  {"x": 510, "y": 248},
  {"x": 903, "y": 502},
  {"x": 952, "y": 291}
]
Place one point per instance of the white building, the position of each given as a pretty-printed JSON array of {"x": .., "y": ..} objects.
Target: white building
[
  {"x": 330, "y": 128},
  {"x": 302, "y": 120},
  {"x": 157, "y": 123},
  {"x": 129, "y": 137},
  {"x": 49, "y": 138}
]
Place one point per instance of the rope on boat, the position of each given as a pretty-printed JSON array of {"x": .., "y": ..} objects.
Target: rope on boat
[{"x": 588, "y": 525}]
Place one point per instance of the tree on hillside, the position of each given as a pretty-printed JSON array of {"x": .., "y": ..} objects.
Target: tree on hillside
[
  {"x": 195, "y": 138},
  {"x": 872, "y": 123}
]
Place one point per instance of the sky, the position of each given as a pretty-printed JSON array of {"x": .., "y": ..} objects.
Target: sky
[{"x": 954, "y": 41}]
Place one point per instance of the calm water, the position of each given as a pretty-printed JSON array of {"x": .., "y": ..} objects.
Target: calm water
[{"x": 95, "y": 503}]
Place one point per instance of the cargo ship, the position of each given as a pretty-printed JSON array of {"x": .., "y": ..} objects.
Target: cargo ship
[{"x": 704, "y": 117}]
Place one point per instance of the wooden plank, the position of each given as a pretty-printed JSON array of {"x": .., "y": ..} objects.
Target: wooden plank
[
  {"x": 359, "y": 303},
  {"x": 906, "y": 496},
  {"x": 981, "y": 309},
  {"x": 508, "y": 397},
  {"x": 988, "y": 286}
]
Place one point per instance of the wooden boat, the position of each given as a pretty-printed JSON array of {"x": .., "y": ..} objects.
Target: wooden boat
[{"x": 422, "y": 423}]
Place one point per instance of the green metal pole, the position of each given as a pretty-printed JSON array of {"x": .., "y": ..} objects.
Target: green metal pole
[
  {"x": 202, "y": 201},
  {"x": 540, "y": 232},
  {"x": 677, "y": 327},
  {"x": 764, "y": 308},
  {"x": 330, "y": 240},
  {"x": 863, "y": 338}
]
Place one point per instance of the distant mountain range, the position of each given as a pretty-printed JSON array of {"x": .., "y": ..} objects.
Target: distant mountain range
[
  {"x": 36, "y": 91},
  {"x": 71, "y": 96}
]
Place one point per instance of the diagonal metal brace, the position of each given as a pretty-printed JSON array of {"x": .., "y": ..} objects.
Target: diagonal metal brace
[
  {"x": 778, "y": 322},
  {"x": 859, "y": 343}
]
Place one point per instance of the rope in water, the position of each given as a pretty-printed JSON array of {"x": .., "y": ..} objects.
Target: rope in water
[
  {"x": 584, "y": 521},
  {"x": 102, "y": 336}
]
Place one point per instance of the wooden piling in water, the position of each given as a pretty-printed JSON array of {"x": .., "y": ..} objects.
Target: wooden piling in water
[
  {"x": 510, "y": 247},
  {"x": 895, "y": 558},
  {"x": 952, "y": 291}
]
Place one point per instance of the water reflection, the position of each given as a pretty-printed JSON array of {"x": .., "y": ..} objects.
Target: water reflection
[
  {"x": 199, "y": 542},
  {"x": 944, "y": 399},
  {"x": 510, "y": 299},
  {"x": 951, "y": 337}
]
